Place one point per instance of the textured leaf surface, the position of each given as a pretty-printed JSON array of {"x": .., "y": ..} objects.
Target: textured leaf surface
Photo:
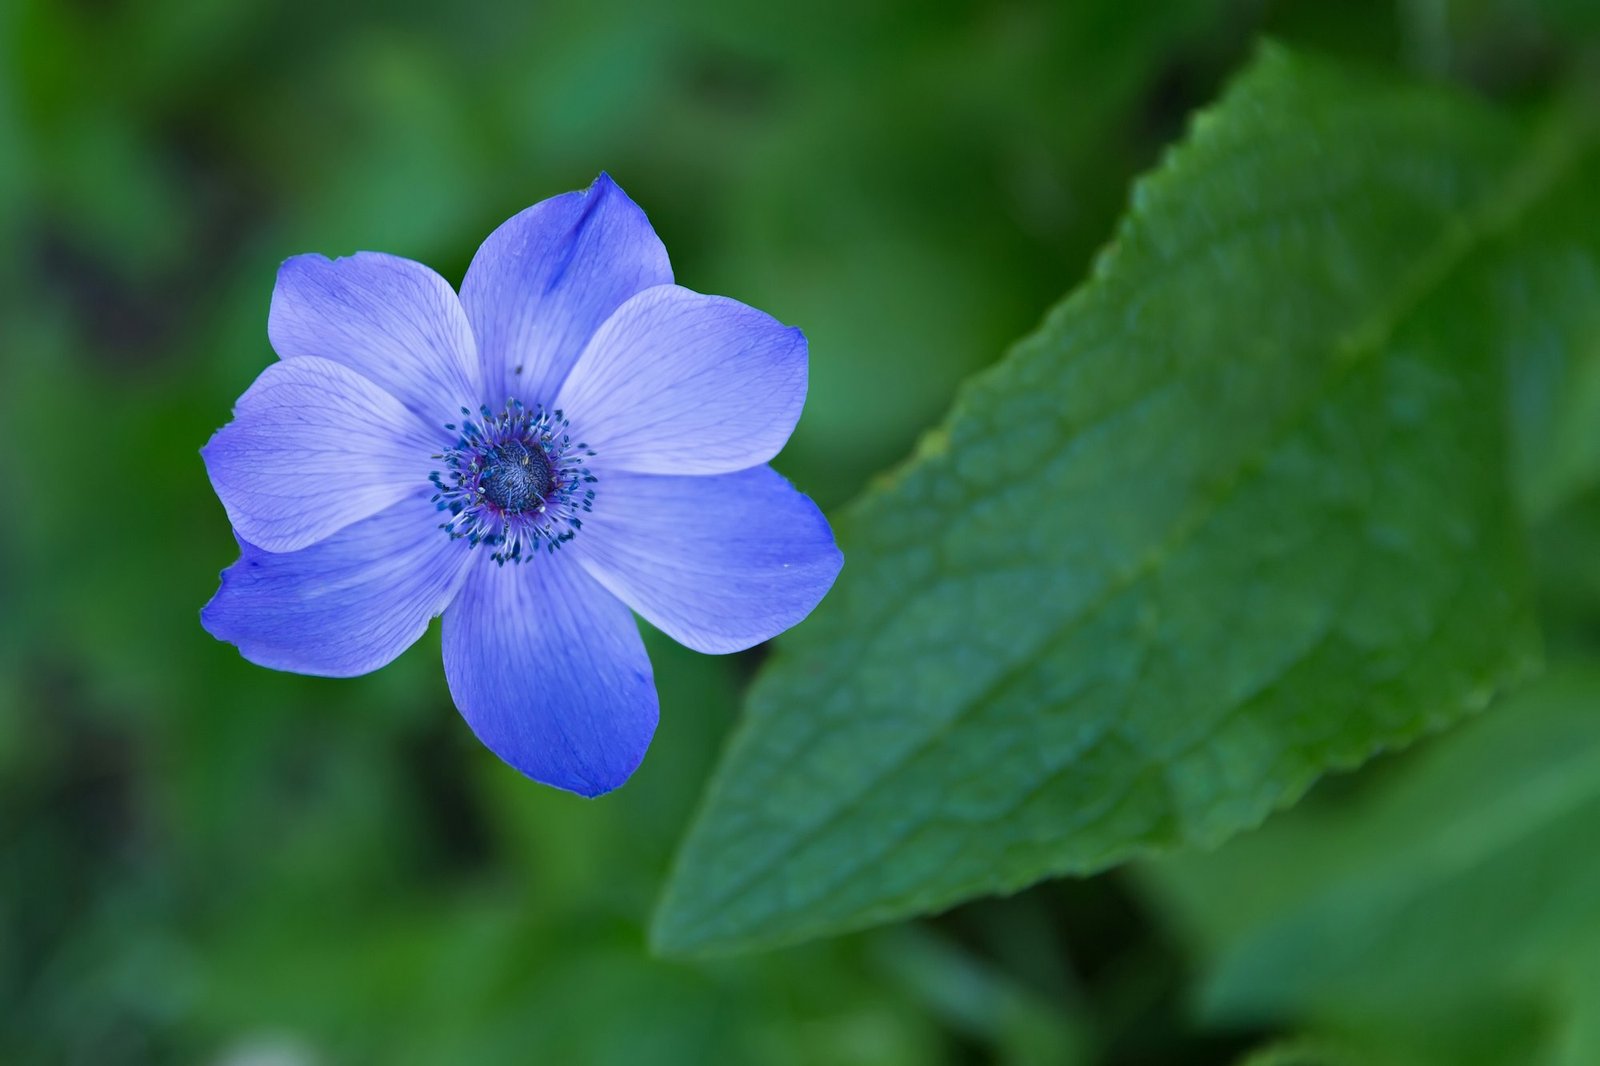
[
  {"x": 1236, "y": 514},
  {"x": 1472, "y": 873}
]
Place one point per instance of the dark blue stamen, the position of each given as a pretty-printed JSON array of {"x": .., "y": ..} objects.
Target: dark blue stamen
[
  {"x": 517, "y": 477},
  {"x": 513, "y": 480}
]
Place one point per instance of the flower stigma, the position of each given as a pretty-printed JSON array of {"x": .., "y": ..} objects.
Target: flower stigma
[{"x": 513, "y": 481}]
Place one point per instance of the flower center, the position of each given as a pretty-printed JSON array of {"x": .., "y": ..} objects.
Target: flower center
[
  {"x": 512, "y": 481},
  {"x": 517, "y": 477}
]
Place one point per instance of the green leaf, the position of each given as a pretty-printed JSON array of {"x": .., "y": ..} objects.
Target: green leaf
[
  {"x": 1544, "y": 304},
  {"x": 1235, "y": 515},
  {"x": 1471, "y": 874},
  {"x": 1580, "y": 1042},
  {"x": 1302, "y": 1052},
  {"x": 1490, "y": 1034}
]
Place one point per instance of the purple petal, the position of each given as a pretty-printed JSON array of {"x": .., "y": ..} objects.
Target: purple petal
[
  {"x": 346, "y": 605},
  {"x": 544, "y": 281},
  {"x": 680, "y": 383},
  {"x": 717, "y": 563},
  {"x": 393, "y": 321},
  {"x": 549, "y": 670},
  {"x": 314, "y": 446}
]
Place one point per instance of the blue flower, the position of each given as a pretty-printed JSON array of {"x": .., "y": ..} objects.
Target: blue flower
[{"x": 570, "y": 437}]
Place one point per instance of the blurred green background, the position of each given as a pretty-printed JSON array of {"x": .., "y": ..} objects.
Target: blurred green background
[{"x": 204, "y": 861}]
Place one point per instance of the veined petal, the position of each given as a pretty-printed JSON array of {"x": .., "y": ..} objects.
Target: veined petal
[
  {"x": 346, "y": 605},
  {"x": 314, "y": 446},
  {"x": 716, "y": 563},
  {"x": 544, "y": 281},
  {"x": 393, "y": 321},
  {"x": 549, "y": 670},
  {"x": 680, "y": 383}
]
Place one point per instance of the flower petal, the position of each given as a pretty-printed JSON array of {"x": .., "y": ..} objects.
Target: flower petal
[
  {"x": 680, "y": 383},
  {"x": 717, "y": 563},
  {"x": 549, "y": 670},
  {"x": 393, "y": 321},
  {"x": 314, "y": 446},
  {"x": 544, "y": 281},
  {"x": 346, "y": 605}
]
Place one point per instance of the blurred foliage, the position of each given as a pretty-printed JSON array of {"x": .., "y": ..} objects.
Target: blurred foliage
[
  {"x": 1489, "y": 821},
  {"x": 208, "y": 862},
  {"x": 1461, "y": 890}
]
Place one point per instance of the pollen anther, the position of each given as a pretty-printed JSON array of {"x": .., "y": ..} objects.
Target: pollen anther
[{"x": 513, "y": 480}]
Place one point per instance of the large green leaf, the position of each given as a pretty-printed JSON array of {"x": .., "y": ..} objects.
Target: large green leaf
[
  {"x": 1470, "y": 874},
  {"x": 1235, "y": 515}
]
